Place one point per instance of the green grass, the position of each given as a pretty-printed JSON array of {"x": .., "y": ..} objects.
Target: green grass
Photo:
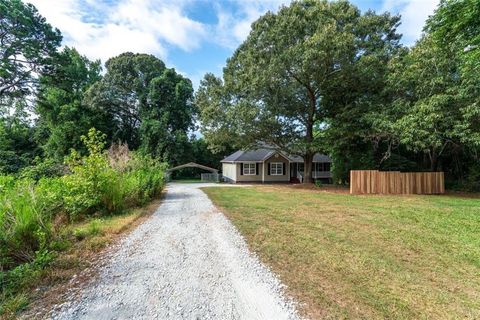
[{"x": 345, "y": 256}]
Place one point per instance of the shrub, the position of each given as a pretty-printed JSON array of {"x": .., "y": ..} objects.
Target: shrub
[
  {"x": 318, "y": 183},
  {"x": 44, "y": 169},
  {"x": 31, "y": 205}
]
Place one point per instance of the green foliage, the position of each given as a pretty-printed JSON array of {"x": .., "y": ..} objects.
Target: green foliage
[
  {"x": 92, "y": 229},
  {"x": 43, "y": 168},
  {"x": 17, "y": 146},
  {"x": 24, "y": 34},
  {"x": 148, "y": 106},
  {"x": 31, "y": 209},
  {"x": 63, "y": 116}
]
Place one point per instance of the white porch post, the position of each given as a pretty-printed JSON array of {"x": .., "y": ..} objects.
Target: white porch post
[{"x": 263, "y": 172}]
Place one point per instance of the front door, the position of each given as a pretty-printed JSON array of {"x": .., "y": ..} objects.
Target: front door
[{"x": 293, "y": 169}]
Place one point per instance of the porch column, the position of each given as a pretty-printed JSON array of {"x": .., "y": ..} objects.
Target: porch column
[{"x": 263, "y": 172}]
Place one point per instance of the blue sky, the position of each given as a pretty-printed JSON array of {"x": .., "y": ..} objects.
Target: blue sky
[{"x": 193, "y": 36}]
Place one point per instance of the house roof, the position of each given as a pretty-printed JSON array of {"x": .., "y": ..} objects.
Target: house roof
[
  {"x": 251, "y": 155},
  {"x": 263, "y": 154},
  {"x": 318, "y": 157}
]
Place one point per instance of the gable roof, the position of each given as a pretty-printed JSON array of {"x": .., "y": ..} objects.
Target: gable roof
[
  {"x": 251, "y": 155},
  {"x": 263, "y": 154},
  {"x": 193, "y": 165}
]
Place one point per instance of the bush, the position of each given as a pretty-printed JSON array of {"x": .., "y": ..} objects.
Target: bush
[
  {"x": 47, "y": 168},
  {"x": 31, "y": 205},
  {"x": 318, "y": 183}
]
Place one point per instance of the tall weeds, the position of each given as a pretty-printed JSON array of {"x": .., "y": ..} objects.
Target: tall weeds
[{"x": 100, "y": 183}]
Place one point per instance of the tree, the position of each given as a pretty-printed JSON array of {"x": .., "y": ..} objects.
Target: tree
[
  {"x": 217, "y": 117},
  {"x": 17, "y": 146},
  {"x": 425, "y": 108},
  {"x": 455, "y": 25},
  {"x": 27, "y": 44},
  {"x": 168, "y": 116},
  {"x": 284, "y": 80},
  {"x": 435, "y": 93},
  {"x": 149, "y": 106},
  {"x": 63, "y": 116}
]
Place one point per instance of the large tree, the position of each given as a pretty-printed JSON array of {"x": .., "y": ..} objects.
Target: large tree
[
  {"x": 425, "y": 109},
  {"x": 434, "y": 88},
  {"x": 295, "y": 68},
  {"x": 27, "y": 44},
  {"x": 150, "y": 106},
  {"x": 63, "y": 116},
  {"x": 455, "y": 26}
]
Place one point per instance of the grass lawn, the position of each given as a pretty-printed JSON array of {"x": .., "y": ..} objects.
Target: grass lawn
[{"x": 344, "y": 256}]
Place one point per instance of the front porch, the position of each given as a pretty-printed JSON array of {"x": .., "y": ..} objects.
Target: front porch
[{"x": 320, "y": 170}]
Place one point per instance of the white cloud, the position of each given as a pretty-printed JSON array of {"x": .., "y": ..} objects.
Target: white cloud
[
  {"x": 102, "y": 31},
  {"x": 414, "y": 14},
  {"x": 234, "y": 27}
]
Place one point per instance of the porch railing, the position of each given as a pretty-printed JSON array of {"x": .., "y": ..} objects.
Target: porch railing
[
  {"x": 300, "y": 176},
  {"x": 315, "y": 175}
]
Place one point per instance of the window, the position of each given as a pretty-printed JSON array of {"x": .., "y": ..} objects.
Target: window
[
  {"x": 327, "y": 166},
  {"x": 322, "y": 166},
  {"x": 249, "y": 169},
  {"x": 276, "y": 168}
]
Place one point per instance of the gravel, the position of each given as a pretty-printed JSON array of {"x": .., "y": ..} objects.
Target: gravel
[{"x": 185, "y": 262}]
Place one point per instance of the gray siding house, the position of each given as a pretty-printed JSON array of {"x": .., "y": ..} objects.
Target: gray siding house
[{"x": 266, "y": 165}]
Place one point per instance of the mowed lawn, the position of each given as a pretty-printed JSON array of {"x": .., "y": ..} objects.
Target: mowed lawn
[{"x": 345, "y": 256}]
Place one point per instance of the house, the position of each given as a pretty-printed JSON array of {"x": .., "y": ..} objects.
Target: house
[{"x": 267, "y": 165}]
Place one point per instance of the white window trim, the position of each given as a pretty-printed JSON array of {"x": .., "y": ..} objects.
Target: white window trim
[
  {"x": 250, "y": 169},
  {"x": 281, "y": 169}
]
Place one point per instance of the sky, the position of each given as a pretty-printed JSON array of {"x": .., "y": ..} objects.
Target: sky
[{"x": 192, "y": 36}]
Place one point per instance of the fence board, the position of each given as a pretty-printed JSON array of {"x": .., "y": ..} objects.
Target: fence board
[{"x": 396, "y": 182}]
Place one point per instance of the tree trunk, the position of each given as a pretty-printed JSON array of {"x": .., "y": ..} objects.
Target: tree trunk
[
  {"x": 433, "y": 156},
  {"x": 308, "y": 161},
  {"x": 308, "y": 156},
  {"x": 434, "y": 162}
]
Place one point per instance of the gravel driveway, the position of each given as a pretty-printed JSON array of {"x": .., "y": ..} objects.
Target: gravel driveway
[{"x": 186, "y": 262}]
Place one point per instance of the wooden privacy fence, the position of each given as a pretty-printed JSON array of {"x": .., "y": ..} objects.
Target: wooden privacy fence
[{"x": 396, "y": 182}]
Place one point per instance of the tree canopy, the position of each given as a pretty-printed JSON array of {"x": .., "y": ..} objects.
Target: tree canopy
[
  {"x": 27, "y": 44},
  {"x": 63, "y": 115},
  {"x": 148, "y": 105},
  {"x": 279, "y": 86}
]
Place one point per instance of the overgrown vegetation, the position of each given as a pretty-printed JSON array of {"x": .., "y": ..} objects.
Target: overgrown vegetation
[
  {"x": 34, "y": 214},
  {"x": 364, "y": 257}
]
